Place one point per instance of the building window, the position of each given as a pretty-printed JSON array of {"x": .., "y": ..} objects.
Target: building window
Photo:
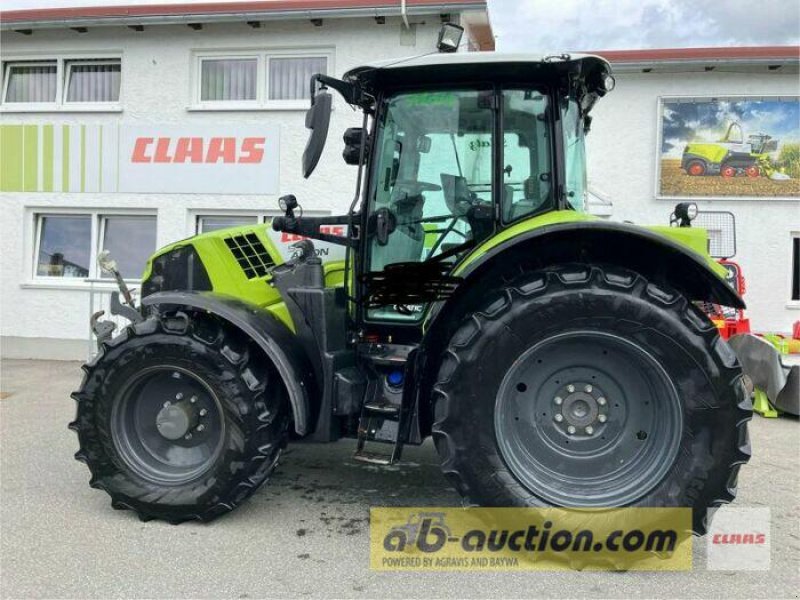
[
  {"x": 130, "y": 239},
  {"x": 62, "y": 83},
  {"x": 795, "y": 262},
  {"x": 289, "y": 77},
  {"x": 93, "y": 80},
  {"x": 258, "y": 80},
  {"x": 66, "y": 244},
  {"x": 206, "y": 223},
  {"x": 225, "y": 80},
  {"x": 31, "y": 82}
]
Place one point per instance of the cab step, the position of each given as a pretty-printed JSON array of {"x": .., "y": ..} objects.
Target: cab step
[{"x": 384, "y": 418}]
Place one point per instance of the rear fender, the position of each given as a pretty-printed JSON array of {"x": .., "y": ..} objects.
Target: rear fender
[
  {"x": 658, "y": 258},
  {"x": 271, "y": 335}
]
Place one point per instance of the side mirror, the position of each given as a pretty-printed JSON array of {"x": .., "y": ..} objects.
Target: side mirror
[{"x": 317, "y": 119}]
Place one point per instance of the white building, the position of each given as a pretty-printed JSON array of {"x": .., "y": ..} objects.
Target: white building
[
  {"x": 624, "y": 152},
  {"x": 78, "y": 174},
  {"x": 130, "y": 127}
]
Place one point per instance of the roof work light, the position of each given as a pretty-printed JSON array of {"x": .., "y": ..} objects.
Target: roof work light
[{"x": 449, "y": 37}]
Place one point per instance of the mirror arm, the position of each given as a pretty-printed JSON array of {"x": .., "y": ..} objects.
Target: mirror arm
[
  {"x": 349, "y": 91},
  {"x": 309, "y": 227}
]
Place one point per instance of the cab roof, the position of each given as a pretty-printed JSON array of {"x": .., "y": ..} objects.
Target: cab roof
[{"x": 462, "y": 67}]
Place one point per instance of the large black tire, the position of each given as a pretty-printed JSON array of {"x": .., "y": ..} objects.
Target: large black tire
[
  {"x": 477, "y": 427},
  {"x": 245, "y": 421}
]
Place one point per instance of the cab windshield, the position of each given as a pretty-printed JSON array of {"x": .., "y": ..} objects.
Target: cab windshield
[{"x": 434, "y": 170}]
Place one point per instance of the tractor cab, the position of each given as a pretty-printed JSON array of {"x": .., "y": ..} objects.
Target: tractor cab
[{"x": 454, "y": 149}]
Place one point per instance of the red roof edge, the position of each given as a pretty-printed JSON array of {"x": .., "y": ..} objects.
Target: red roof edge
[
  {"x": 211, "y": 8},
  {"x": 689, "y": 54}
]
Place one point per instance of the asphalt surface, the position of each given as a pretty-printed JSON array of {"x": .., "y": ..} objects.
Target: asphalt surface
[{"x": 305, "y": 534}]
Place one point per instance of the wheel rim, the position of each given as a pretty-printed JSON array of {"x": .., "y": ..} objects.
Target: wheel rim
[
  {"x": 167, "y": 425},
  {"x": 696, "y": 169},
  {"x": 728, "y": 171},
  {"x": 588, "y": 419},
  {"x": 753, "y": 171}
]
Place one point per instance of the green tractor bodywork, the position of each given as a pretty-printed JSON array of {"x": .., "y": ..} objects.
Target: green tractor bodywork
[
  {"x": 731, "y": 155},
  {"x": 238, "y": 277},
  {"x": 227, "y": 277},
  {"x": 469, "y": 216}
]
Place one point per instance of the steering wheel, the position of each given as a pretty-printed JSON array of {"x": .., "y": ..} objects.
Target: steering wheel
[{"x": 414, "y": 188}]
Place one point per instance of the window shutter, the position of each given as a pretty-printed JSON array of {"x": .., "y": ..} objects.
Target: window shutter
[
  {"x": 94, "y": 83},
  {"x": 289, "y": 77},
  {"x": 228, "y": 80},
  {"x": 31, "y": 83}
]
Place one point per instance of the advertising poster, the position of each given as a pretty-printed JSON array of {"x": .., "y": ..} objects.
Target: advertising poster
[{"x": 729, "y": 148}]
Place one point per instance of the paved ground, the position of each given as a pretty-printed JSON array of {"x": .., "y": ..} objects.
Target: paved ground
[{"x": 306, "y": 534}]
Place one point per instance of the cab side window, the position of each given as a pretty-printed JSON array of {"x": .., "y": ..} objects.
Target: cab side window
[{"x": 526, "y": 161}]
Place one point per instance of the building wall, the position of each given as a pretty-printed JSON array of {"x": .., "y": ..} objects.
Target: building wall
[
  {"x": 623, "y": 149},
  {"x": 45, "y": 320}
]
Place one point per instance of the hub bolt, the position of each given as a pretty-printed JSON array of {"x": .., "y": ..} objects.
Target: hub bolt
[
  {"x": 602, "y": 418},
  {"x": 589, "y": 430},
  {"x": 201, "y": 427},
  {"x": 193, "y": 399},
  {"x": 167, "y": 403},
  {"x": 570, "y": 388},
  {"x": 559, "y": 400},
  {"x": 601, "y": 401},
  {"x": 559, "y": 418},
  {"x": 178, "y": 396},
  {"x": 588, "y": 389},
  {"x": 203, "y": 412},
  {"x": 571, "y": 429},
  {"x": 188, "y": 436}
]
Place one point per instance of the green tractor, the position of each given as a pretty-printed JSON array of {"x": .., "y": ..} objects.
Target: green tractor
[
  {"x": 555, "y": 358},
  {"x": 731, "y": 155}
]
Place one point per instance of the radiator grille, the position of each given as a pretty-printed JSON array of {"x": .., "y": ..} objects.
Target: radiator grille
[{"x": 251, "y": 254}]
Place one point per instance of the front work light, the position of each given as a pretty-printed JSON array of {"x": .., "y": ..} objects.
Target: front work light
[
  {"x": 106, "y": 263},
  {"x": 449, "y": 37},
  {"x": 685, "y": 213}
]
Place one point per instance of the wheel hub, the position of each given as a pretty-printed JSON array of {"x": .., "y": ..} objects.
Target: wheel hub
[
  {"x": 174, "y": 421},
  {"x": 168, "y": 424},
  {"x": 581, "y": 409}
]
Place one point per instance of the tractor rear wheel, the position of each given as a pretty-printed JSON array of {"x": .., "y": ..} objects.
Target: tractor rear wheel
[
  {"x": 583, "y": 387},
  {"x": 180, "y": 418}
]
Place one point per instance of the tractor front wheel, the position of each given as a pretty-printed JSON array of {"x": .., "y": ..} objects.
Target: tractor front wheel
[
  {"x": 696, "y": 168},
  {"x": 180, "y": 418},
  {"x": 583, "y": 387}
]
